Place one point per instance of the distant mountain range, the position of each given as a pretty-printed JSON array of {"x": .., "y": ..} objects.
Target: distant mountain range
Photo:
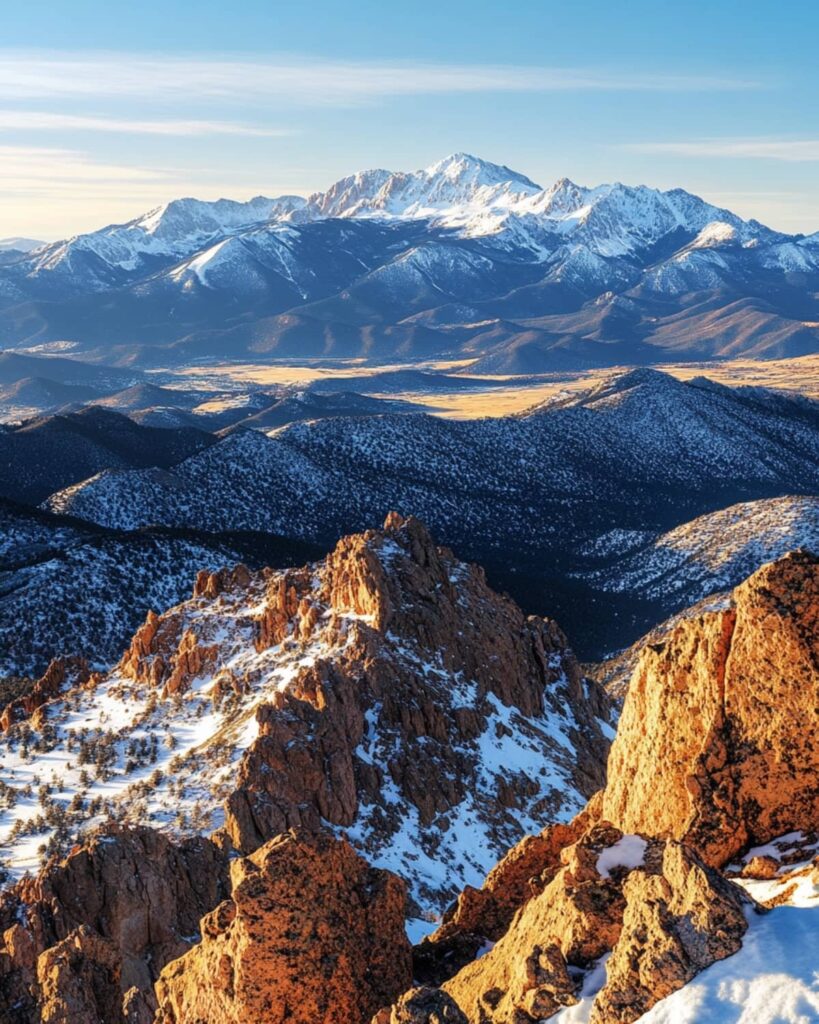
[
  {"x": 611, "y": 509},
  {"x": 17, "y": 244},
  {"x": 465, "y": 258}
]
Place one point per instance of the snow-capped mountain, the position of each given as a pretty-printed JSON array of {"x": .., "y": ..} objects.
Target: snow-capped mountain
[
  {"x": 20, "y": 244},
  {"x": 105, "y": 258},
  {"x": 421, "y": 258},
  {"x": 450, "y": 192}
]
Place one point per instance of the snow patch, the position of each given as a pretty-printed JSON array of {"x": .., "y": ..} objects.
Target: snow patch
[{"x": 628, "y": 852}]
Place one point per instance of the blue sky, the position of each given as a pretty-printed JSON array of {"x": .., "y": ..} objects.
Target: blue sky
[{"x": 107, "y": 109}]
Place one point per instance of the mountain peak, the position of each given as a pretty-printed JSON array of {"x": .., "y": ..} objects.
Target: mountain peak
[
  {"x": 642, "y": 377},
  {"x": 463, "y": 167}
]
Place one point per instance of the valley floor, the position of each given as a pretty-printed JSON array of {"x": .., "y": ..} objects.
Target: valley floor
[{"x": 501, "y": 396}]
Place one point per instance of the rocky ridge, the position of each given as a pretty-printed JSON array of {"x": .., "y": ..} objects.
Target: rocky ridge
[
  {"x": 386, "y": 693},
  {"x": 694, "y": 758},
  {"x": 612, "y": 913},
  {"x": 696, "y": 778}
]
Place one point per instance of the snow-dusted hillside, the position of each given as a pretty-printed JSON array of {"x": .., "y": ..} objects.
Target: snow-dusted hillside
[
  {"x": 41, "y": 454},
  {"x": 711, "y": 553},
  {"x": 638, "y": 450},
  {"x": 383, "y": 247},
  {"x": 71, "y": 589},
  {"x": 534, "y": 497},
  {"x": 690, "y": 569},
  {"x": 455, "y": 749}
]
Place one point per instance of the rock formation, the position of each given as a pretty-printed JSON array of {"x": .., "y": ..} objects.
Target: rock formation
[
  {"x": 80, "y": 979},
  {"x": 61, "y": 674},
  {"x": 387, "y": 693},
  {"x": 718, "y": 744},
  {"x": 661, "y": 913},
  {"x": 716, "y": 751},
  {"x": 311, "y": 933},
  {"x": 402, "y": 618},
  {"x": 102, "y": 922}
]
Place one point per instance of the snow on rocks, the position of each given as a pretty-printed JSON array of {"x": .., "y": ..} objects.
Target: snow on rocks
[
  {"x": 628, "y": 852},
  {"x": 330, "y": 695}
]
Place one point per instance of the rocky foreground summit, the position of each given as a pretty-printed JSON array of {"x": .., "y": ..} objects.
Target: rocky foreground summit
[
  {"x": 379, "y": 683},
  {"x": 716, "y": 753},
  {"x": 385, "y": 694}
]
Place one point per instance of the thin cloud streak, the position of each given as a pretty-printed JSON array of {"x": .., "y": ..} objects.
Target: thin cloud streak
[
  {"x": 24, "y": 165},
  {"x": 41, "y": 186},
  {"x": 790, "y": 151},
  {"x": 309, "y": 80},
  {"x": 32, "y": 120}
]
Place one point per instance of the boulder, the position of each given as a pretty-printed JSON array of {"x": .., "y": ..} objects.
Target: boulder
[{"x": 311, "y": 934}]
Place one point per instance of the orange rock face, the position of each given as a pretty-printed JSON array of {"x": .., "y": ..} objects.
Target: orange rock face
[
  {"x": 87, "y": 930},
  {"x": 79, "y": 979},
  {"x": 383, "y": 604},
  {"x": 662, "y": 919},
  {"x": 718, "y": 744},
  {"x": 310, "y": 934},
  {"x": 61, "y": 674},
  {"x": 717, "y": 750},
  {"x": 677, "y": 921}
]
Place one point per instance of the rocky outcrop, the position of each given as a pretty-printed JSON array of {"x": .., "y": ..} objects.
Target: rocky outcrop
[
  {"x": 718, "y": 744},
  {"x": 61, "y": 674},
  {"x": 401, "y": 685},
  {"x": 311, "y": 933},
  {"x": 102, "y": 922},
  {"x": 402, "y": 617},
  {"x": 80, "y": 979},
  {"x": 716, "y": 751},
  {"x": 422, "y": 1006},
  {"x": 677, "y": 921},
  {"x": 653, "y": 905},
  {"x": 160, "y": 657}
]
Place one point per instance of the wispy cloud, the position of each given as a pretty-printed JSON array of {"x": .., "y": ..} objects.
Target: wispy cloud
[
  {"x": 33, "y": 166},
  {"x": 33, "y": 120},
  {"x": 44, "y": 186},
  {"x": 788, "y": 150},
  {"x": 310, "y": 80}
]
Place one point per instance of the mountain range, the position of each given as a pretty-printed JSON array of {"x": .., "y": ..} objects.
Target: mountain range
[
  {"x": 536, "y": 497},
  {"x": 466, "y": 258}
]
